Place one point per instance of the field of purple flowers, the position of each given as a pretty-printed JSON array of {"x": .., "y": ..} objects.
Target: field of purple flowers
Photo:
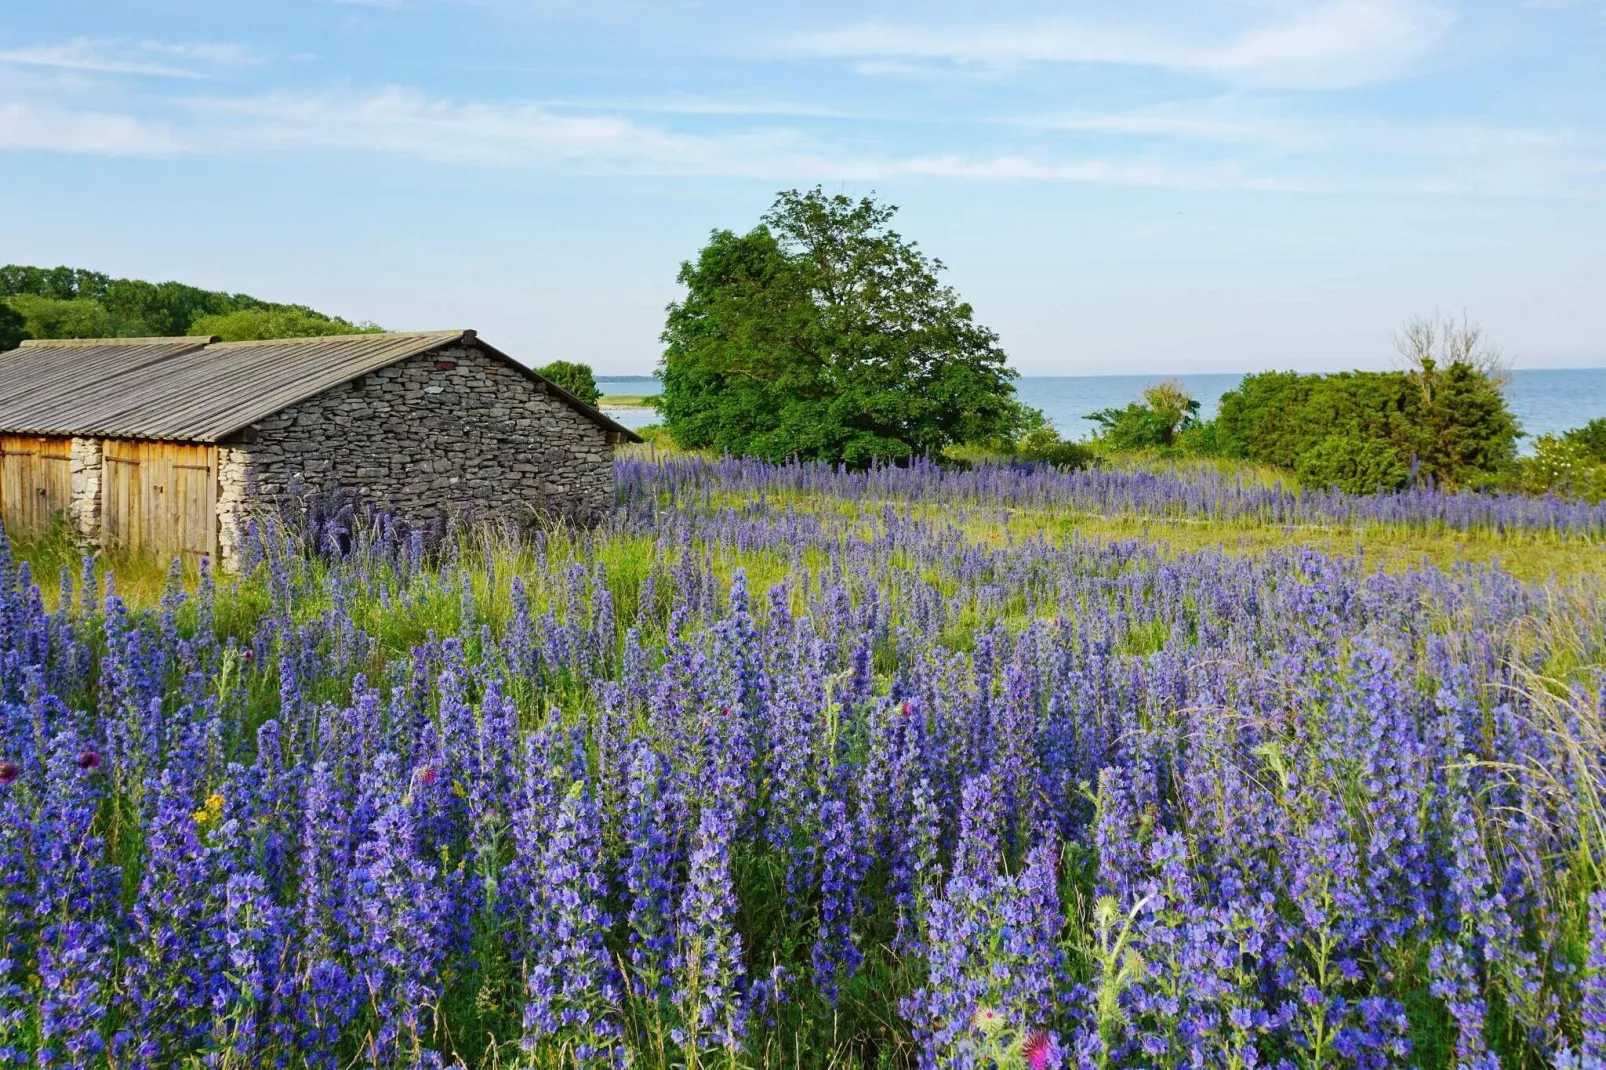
[{"x": 732, "y": 782}]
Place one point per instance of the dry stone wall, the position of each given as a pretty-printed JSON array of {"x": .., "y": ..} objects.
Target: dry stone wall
[
  {"x": 84, "y": 457},
  {"x": 452, "y": 433}
]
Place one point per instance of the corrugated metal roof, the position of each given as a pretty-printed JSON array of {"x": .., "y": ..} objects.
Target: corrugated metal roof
[{"x": 198, "y": 389}]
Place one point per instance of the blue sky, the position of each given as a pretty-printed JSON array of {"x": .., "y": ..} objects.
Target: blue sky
[{"x": 1137, "y": 186}]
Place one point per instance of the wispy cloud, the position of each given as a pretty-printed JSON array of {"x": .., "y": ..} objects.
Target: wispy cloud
[
  {"x": 703, "y": 105},
  {"x": 405, "y": 123},
  {"x": 1265, "y": 124},
  {"x": 99, "y": 133},
  {"x": 1242, "y": 150},
  {"x": 158, "y": 59},
  {"x": 1329, "y": 44}
]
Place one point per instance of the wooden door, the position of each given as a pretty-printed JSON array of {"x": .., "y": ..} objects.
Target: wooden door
[
  {"x": 161, "y": 497},
  {"x": 35, "y": 483}
]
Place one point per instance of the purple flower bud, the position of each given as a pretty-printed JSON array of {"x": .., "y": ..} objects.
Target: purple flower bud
[
  {"x": 89, "y": 760},
  {"x": 9, "y": 772}
]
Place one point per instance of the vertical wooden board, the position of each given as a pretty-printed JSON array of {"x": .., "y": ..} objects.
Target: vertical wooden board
[
  {"x": 195, "y": 481},
  {"x": 35, "y": 482},
  {"x": 161, "y": 498},
  {"x": 17, "y": 458},
  {"x": 52, "y": 482},
  {"x": 121, "y": 497}
]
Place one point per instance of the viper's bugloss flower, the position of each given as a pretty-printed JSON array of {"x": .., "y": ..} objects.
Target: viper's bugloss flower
[{"x": 617, "y": 810}]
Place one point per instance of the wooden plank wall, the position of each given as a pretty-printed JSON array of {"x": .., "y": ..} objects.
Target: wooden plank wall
[
  {"x": 160, "y": 497},
  {"x": 35, "y": 482}
]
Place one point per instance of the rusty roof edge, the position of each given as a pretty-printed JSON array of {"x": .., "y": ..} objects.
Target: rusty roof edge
[{"x": 596, "y": 416}]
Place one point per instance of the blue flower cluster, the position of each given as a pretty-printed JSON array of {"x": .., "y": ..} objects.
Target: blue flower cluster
[{"x": 926, "y": 799}]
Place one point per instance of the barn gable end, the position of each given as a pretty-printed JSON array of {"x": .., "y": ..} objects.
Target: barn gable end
[{"x": 452, "y": 432}]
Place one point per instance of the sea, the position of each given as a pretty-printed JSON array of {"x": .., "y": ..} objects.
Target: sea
[{"x": 1543, "y": 399}]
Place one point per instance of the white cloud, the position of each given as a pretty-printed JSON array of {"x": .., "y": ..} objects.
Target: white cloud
[
  {"x": 701, "y": 105},
  {"x": 1330, "y": 44},
  {"x": 24, "y": 126},
  {"x": 405, "y": 123},
  {"x": 1253, "y": 151},
  {"x": 157, "y": 59},
  {"x": 1264, "y": 124}
]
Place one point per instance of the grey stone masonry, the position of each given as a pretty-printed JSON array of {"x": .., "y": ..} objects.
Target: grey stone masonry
[
  {"x": 84, "y": 511},
  {"x": 451, "y": 433}
]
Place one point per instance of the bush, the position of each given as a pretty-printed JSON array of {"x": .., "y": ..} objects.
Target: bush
[
  {"x": 1352, "y": 464},
  {"x": 1563, "y": 466},
  {"x": 1591, "y": 438},
  {"x": 576, "y": 378},
  {"x": 1452, "y": 421},
  {"x": 1166, "y": 412},
  {"x": 1043, "y": 445}
]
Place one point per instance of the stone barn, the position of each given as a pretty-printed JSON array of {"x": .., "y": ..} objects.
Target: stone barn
[{"x": 168, "y": 445}]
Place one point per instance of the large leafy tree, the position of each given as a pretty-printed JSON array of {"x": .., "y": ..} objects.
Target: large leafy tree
[{"x": 824, "y": 334}]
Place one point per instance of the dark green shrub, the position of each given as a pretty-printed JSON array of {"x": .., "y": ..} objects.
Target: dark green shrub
[
  {"x": 1451, "y": 422},
  {"x": 1352, "y": 463}
]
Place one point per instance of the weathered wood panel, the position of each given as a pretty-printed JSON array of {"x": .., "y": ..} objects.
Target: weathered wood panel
[
  {"x": 160, "y": 497},
  {"x": 35, "y": 482}
]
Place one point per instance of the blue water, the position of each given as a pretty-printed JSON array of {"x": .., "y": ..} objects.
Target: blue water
[{"x": 1543, "y": 400}]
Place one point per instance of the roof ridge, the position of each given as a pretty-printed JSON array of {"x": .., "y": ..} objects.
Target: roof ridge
[
  {"x": 70, "y": 343},
  {"x": 218, "y": 344}
]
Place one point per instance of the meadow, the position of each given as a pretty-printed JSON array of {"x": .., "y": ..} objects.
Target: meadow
[{"x": 787, "y": 766}]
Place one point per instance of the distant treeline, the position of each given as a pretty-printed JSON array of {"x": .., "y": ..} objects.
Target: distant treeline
[{"x": 64, "y": 302}]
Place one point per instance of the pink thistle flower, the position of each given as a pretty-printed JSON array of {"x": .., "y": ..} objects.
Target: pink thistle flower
[{"x": 1040, "y": 1051}]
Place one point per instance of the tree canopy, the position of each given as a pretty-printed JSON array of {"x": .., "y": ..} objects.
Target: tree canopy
[
  {"x": 13, "y": 329},
  {"x": 253, "y": 324},
  {"x": 64, "y": 302},
  {"x": 573, "y": 376},
  {"x": 824, "y": 334}
]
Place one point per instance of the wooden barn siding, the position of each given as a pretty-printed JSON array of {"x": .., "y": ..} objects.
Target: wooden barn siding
[
  {"x": 35, "y": 482},
  {"x": 160, "y": 497}
]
